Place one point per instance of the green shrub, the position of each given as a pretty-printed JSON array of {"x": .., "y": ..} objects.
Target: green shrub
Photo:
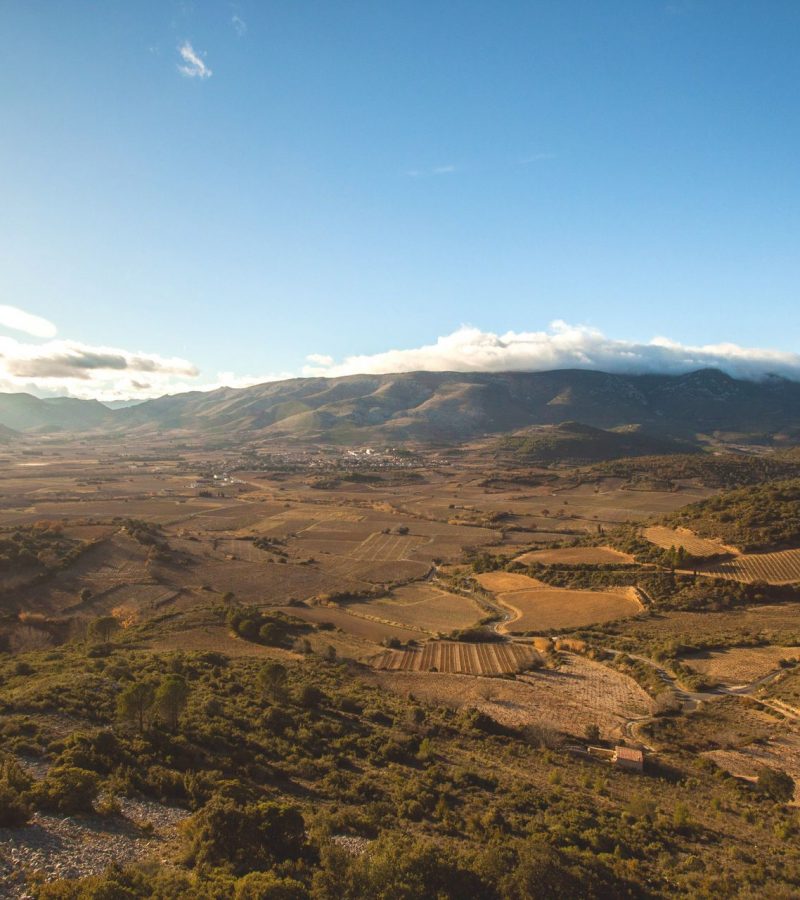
[
  {"x": 14, "y": 810},
  {"x": 246, "y": 838},
  {"x": 266, "y": 886},
  {"x": 776, "y": 784},
  {"x": 67, "y": 790}
]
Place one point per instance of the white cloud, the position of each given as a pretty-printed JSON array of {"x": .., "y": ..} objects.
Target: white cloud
[
  {"x": 63, "y": 367},
  {"x": 19, "y": 320},
  {"x": 562, "y": 347},
  {"x": 193, "y": 66},
  {"x": 239, "y": 25},
  {"x": 320, "y": 359}
]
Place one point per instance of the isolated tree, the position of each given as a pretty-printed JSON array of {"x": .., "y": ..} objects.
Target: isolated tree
[
  {"x": 273, "y": 678},
  {"x": 103, "y": 628},
  {"x": 330, "y": 653},
  {"x": 592, "y": 733},
  {"x": 85, "y": 595},
  {"x": 170, "y": 699},
  {"x": 135, "y": 702}
]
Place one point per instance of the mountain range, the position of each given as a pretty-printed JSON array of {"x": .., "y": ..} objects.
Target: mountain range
[{"x": 437, "y": 406}]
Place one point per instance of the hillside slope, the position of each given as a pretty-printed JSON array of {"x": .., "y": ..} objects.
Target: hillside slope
[
  {"x": 438, "y": 406},
  {"x": 573, "y": 442},
  {"x": 24, "y": 412},
  {"x": 446, "y": 406}
]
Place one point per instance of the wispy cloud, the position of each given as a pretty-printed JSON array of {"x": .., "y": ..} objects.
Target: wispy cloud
[
  {"x": 563, "y": 346},
  {"x": 19, "y": 320},
  {"x": 239, "y": 25},
  {"x": 535, "y": 157},
  {"x": 192, "y": 65},
  {"x": 447, "y": 169}
]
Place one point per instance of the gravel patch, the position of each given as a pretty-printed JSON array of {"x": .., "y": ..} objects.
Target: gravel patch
[{"x": 53, "y": 847}]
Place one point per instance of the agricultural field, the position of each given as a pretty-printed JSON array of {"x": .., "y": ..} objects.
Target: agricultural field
[
  {"x": 420, "y": 606},
  {"x": 546, "y": 609},
  {"x": 739, "y": 665},
  {"x": 572, "y": 556},
  {"x": 578, "y": 694},
  {"x": 450, "y": 657},
  {"x": 780, "y": 567},
  {"x": 537, "y": 607},
  {"x": 504, "y": 582},
  {"x": 682, "y": 537}
]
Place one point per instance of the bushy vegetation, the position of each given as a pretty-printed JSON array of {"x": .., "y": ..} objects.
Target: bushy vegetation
[
  {"x": 273, "y": 759},
  {"x": 274, "y": 629},
  {"x": 762, "y": 517},
  {"x": 665, "y": 589},
  {"x": 717, "y": 471},
  {"x": 42, "y": 547}
]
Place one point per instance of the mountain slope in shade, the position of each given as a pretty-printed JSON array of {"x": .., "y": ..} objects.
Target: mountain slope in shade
[
  {"x": 573, "y": 442},
  {"x": 437, "y": 406},
  {"x": 24, "y": 412},
  {"x": 7, "y": 435},
  {"x": 447, "y": 406}
]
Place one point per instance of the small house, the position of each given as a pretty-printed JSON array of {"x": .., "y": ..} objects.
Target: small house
[{"x": 628, "y": 758}]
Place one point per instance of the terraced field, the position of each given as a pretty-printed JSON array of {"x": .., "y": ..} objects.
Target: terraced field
[
  {"x": 682, "y": 537},
  {"x": 455, "y": 658},
  {"x": 780, "y": 567}
]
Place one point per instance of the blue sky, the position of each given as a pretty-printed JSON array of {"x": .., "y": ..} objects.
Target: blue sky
[{"x": 350, "y": 178}]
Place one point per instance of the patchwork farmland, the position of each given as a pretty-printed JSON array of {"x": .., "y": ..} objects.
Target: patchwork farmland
[{"x": 451, "y": 657}]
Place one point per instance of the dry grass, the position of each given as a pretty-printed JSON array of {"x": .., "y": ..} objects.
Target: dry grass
[
  {"x": 779, "y": 752},
  {"x": 682, "y": 537},
  {"x": 216, "y": 638},
  {"x": 593, "y": 556}
]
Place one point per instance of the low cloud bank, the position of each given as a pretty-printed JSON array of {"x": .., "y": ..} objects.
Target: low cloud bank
[
  {"x": 56, "y": 367},
  {"x": 562, "y": 347}
]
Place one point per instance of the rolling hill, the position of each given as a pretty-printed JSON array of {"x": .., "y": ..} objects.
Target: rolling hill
[
  {"x": 26, "y": 413},
  {"x": 576, "y": 443}
]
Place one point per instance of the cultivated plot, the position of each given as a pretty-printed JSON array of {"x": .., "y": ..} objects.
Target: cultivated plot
[
  {"x": 739, "y": 665},
  {"x": 545, "y": 609},
  {"x": 682, "y": 537},
  {"x": 421, "y": 606},
  {"x": 593, "y": 556},
  {"x": 459, "y": 658},
  {"x": 780, "y": 567}
]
